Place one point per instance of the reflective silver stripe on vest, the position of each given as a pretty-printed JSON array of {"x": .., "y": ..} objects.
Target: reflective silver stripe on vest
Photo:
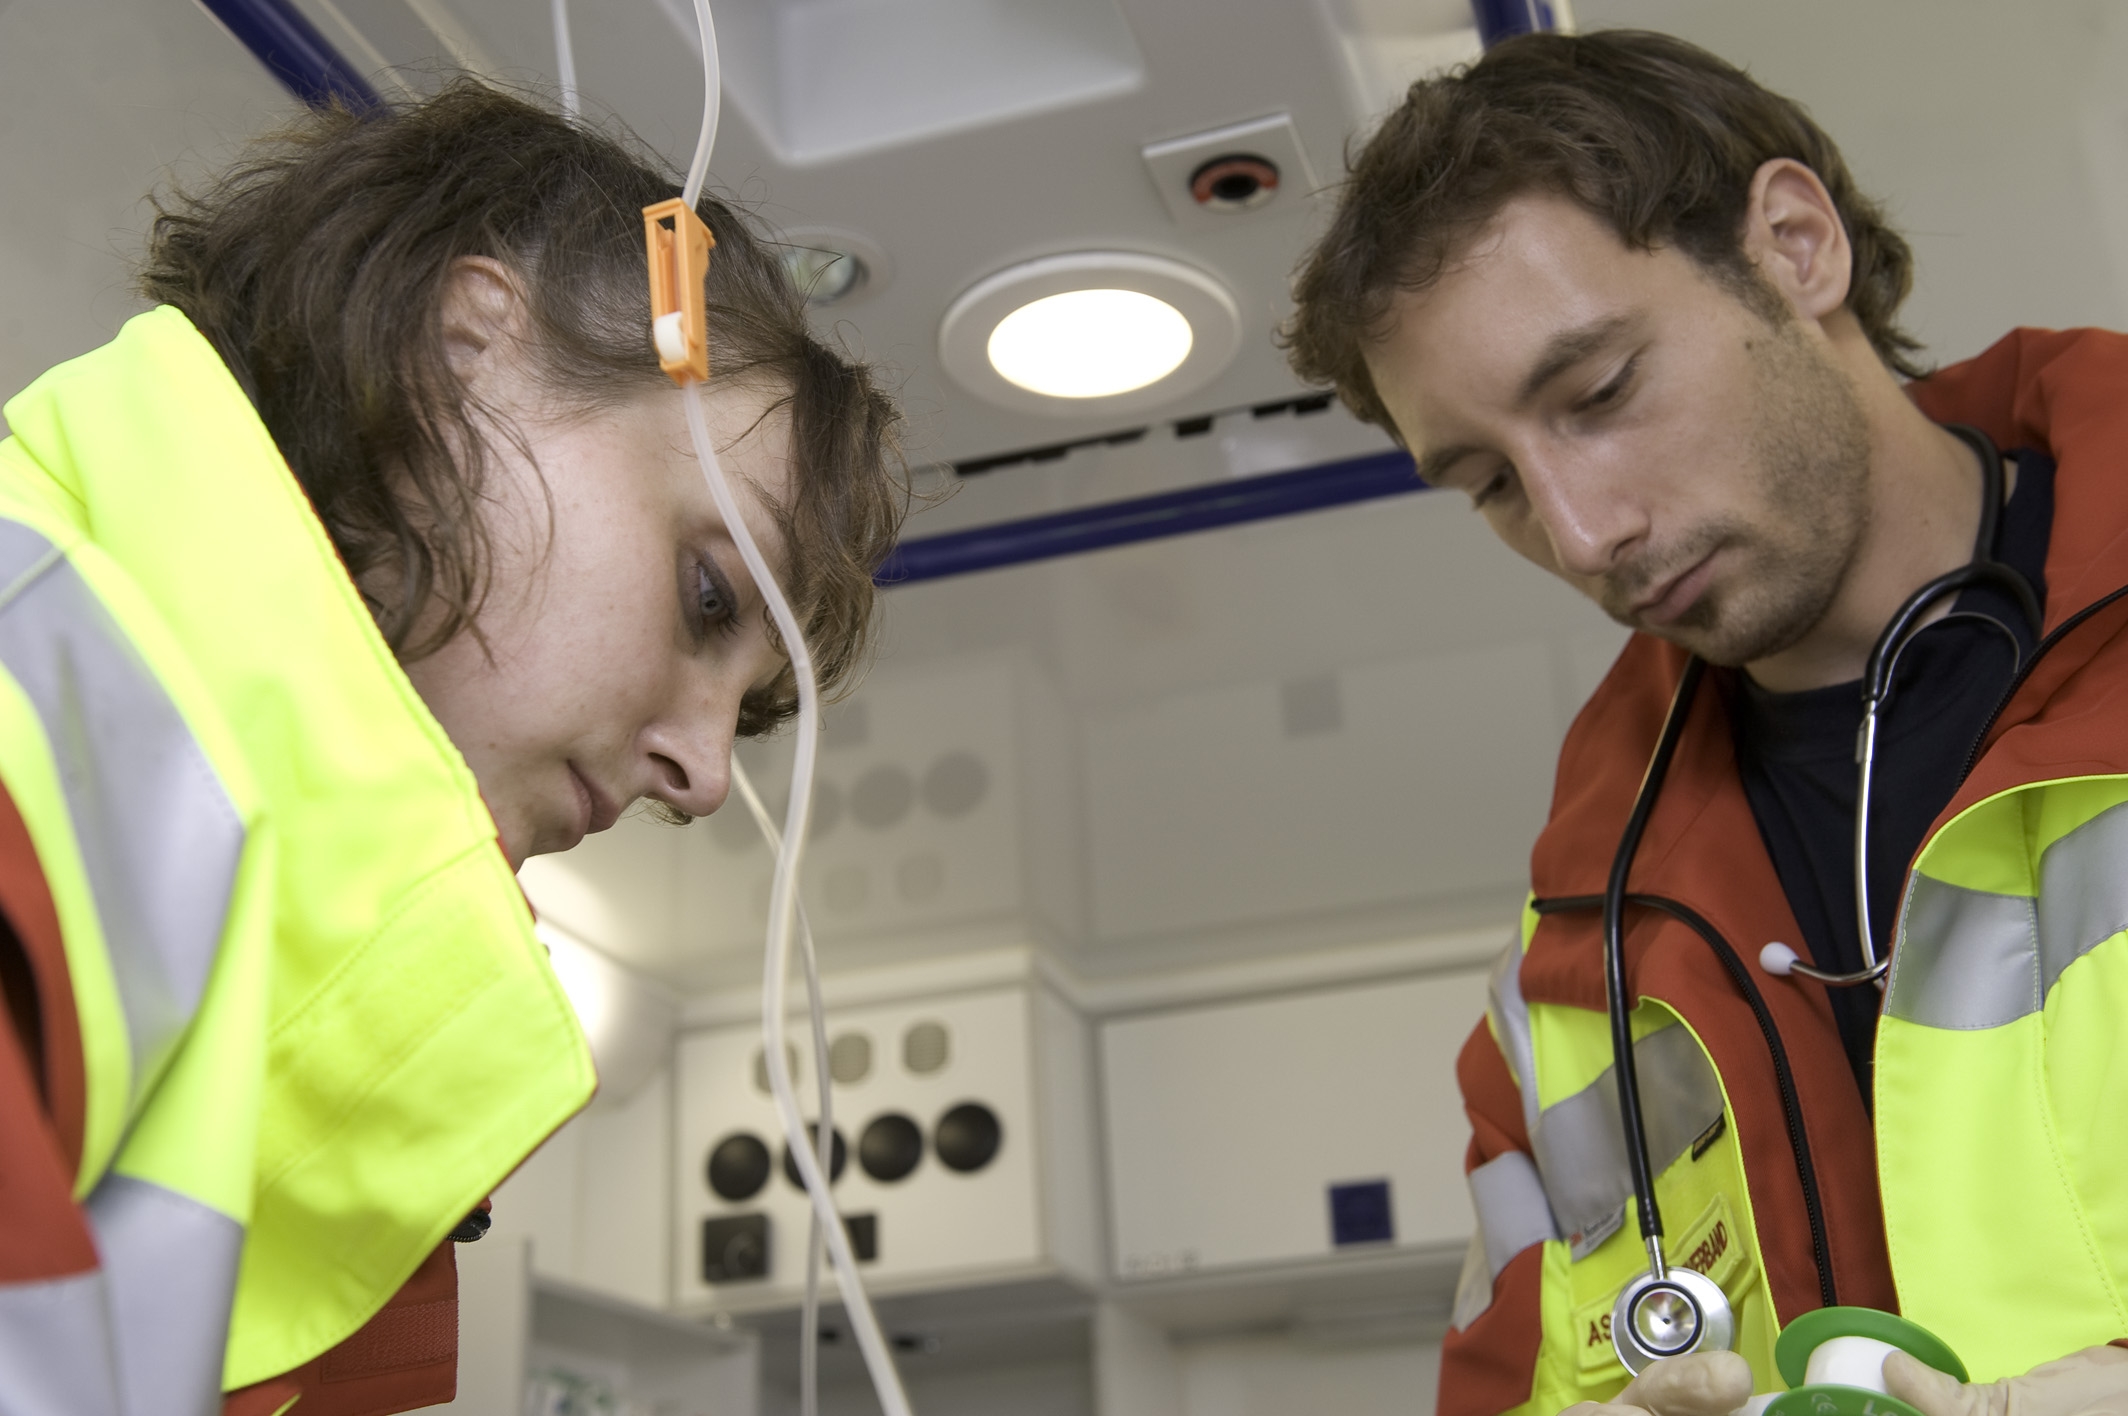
[
  {"x": 1969, "y": 959},
  {"x": 141, "y": 1336},
  {"x": 1512, "y": 1210},
  {"x": 169, "y": 1266},
  {"x": 1581, "y": 1150},
  {"x": 55, "y": 1348},
  {"x": 1511, "y": 1026},
  {"x": 158, "y": 836}
]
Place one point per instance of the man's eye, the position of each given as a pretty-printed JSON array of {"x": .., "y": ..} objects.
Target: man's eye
[
  {"x": 1491, "y": 489},
  {"x": 1611, "y": 391}
]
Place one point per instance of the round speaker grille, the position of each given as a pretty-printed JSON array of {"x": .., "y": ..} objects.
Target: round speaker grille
[
  {"x": 926, "y": 1048},
  {"x": 890, "y": 1147},
  {"x": 967, "y": 1138},
  {"x": 882, "y": 797},
  {"x": 738, "y": 1167},
  {"x": 838, "y": 1158},
  {"x": 956, "y": 784},
  {"x": 850, "y": 1058}
]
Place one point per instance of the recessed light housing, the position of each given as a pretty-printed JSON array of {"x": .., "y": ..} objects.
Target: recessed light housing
[
  {"x": 1102, "y": 332},
  {"x": 834, "y": 266}
]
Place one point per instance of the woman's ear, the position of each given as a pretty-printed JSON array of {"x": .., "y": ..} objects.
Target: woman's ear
[
  {"x": 1794, "y": 235},
  {"x": 483, "y": 315}
]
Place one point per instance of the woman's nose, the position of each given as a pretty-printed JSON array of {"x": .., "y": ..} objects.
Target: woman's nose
[{"x": 690, "y": 764}]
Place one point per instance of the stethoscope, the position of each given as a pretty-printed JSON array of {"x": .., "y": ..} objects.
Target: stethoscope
[{"x": 1668, "y": 1311}]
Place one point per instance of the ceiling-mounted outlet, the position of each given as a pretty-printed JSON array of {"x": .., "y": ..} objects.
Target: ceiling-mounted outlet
[{"x": 1213, "y": 179}]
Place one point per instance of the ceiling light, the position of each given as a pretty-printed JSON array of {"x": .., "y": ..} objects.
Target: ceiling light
[
  {"x": 1101, "y": 332},
  {"x": 834, "y": 266},
  {"x": 1090, "y": 343}
]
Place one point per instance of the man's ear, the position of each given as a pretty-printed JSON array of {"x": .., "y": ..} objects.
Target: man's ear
[
  {"x": 483, "y": 314},
  {"x": 1794, "y": 235}
]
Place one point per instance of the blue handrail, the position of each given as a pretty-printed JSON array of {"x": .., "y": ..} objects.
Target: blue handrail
[
  {"x": 295, "y": 53},
  {"x": 1120, "y": 523}
]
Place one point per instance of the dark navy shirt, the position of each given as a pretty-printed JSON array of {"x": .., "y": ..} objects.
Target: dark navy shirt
[{"x": 1796, "y": 753}]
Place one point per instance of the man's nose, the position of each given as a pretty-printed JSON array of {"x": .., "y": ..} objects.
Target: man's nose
[{"x": 1590, "y": 521}]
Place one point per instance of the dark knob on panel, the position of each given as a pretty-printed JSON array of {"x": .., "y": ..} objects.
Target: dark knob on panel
[
  {"x": 838, "y": 1157},
  {"x": 890, "y": 1147},
  {"x": 738, "y": 1166},
  {"x": 967, "y": 1137}
]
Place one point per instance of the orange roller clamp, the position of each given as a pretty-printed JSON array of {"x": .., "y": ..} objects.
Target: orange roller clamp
[{"x": 678, "y": 245}]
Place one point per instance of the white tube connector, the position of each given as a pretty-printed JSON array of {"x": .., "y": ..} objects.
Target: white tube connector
[{"x": 667, "y": 332}]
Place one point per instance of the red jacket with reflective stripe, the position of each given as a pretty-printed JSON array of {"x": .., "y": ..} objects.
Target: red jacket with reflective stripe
[
  {"x": 2065, "y": 393},
  {"x": 406, "y": 1357}
]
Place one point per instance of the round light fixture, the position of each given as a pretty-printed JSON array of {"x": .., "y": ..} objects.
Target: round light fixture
[
  {"x": 1101, "y": 332},
  {"x": 833, "y": 266},
  {"x": 1090, "y": 343}
]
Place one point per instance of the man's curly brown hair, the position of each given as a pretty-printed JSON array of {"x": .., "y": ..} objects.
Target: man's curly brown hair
[{"x": 1655, "y": 137}]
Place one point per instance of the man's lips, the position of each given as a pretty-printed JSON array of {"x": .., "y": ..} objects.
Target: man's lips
[
  {"x": 600, "y": 810},
  {"x": 1670, "y": 600}
]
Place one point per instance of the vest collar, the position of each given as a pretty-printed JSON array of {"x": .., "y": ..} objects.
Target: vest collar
[{"x": 419, "y": 1045}]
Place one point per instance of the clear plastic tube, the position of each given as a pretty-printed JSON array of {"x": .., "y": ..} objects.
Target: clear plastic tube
[
  {"x": 565, "y": 60},
  {"x": 712, "y": 105},
  {"x": 879, "y": 1362},
  {"x": 812, "y": 1165},
  {"x": 824, "y": 1129}
]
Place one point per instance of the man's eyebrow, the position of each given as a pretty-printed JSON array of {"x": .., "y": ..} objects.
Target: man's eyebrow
[{"x": 1566, "y": 349}]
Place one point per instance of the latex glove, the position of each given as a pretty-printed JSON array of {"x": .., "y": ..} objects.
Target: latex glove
[
  {"x": 1696, "y": 1384},
  {"x": 2093, "y": 1382}
]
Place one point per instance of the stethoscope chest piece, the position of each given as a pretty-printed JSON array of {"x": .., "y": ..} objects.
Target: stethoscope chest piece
[{"x": 1682, "y": 1311}]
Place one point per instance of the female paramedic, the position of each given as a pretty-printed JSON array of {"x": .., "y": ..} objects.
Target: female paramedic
[{"x": 371, "y": 561}]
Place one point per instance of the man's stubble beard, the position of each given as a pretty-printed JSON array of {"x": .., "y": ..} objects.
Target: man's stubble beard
[{"x": 1810, "y": 441}]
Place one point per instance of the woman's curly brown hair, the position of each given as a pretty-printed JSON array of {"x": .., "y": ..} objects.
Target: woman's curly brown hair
[{"x": 316, "y": 267}]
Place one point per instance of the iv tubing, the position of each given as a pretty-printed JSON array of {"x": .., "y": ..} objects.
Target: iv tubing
[
  {"x": 824, "y": 1146},
  {"x": 782, "y": 909},
  {"x": 565, "y": 60},
  {"x": 712, "y": 104},
  {"x": 783, "y": 887}
]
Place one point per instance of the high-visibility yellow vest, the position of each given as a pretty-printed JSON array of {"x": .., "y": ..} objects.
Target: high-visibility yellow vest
[
  {"x": 2002, "y": 1082},
  {"x": 317, "y": 1029},
  {"x": 2001, "y": 1116}
]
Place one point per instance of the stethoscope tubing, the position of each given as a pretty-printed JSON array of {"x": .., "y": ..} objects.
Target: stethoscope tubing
[{"x": 1907, "y": 622}]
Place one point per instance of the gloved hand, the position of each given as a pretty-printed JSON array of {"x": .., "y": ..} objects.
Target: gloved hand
[
  {"x": 1696, "y": 1384},
  {"x": 2093, "y": 1382}
]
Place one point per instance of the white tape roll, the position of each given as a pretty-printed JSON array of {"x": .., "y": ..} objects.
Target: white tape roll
[{"x": 1849, "y": 1361}]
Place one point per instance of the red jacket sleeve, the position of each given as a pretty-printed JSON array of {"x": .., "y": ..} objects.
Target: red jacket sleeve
[
  {"x": 43, "y": 1236},
  {"x": 1489, "y": 1364}
]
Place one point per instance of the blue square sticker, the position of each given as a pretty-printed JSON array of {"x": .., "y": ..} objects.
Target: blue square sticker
[{"x": 1360, "y": 1213}]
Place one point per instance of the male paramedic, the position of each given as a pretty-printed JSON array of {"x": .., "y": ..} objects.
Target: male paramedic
[{"x": 1632, "y": 305}]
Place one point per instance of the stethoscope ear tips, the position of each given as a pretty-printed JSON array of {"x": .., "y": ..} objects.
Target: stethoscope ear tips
[{"x": 1778, "y": 959}]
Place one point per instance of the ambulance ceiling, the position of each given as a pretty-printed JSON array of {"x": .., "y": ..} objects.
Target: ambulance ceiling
[{"x": 1330, "y": 729}]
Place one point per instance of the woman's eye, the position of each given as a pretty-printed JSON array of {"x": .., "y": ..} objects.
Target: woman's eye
[{"x": 713, "y": 598}]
